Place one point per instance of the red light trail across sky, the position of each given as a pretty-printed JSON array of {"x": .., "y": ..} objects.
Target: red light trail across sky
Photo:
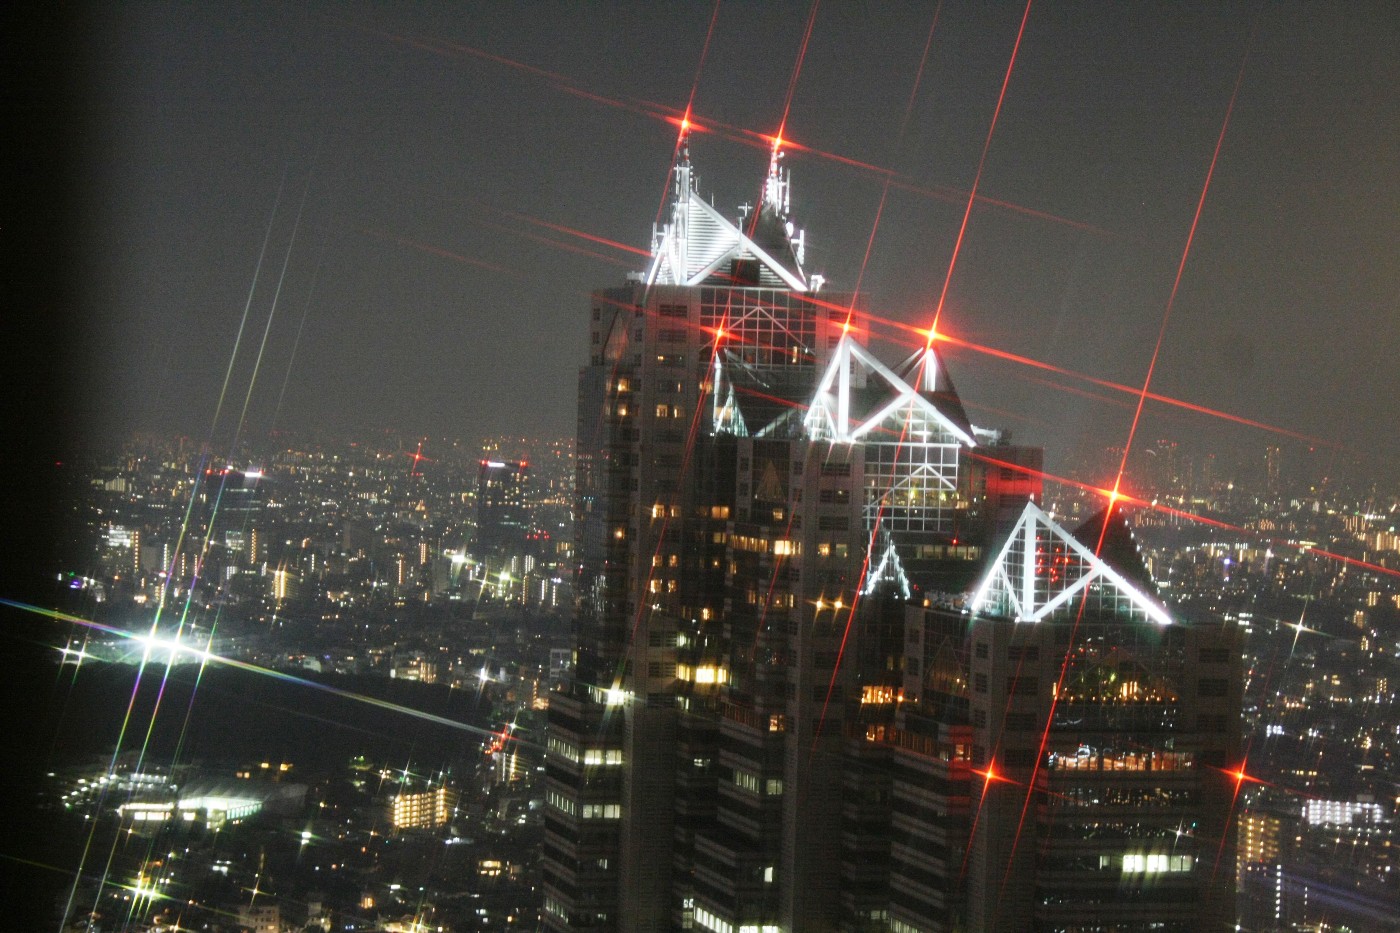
[
  {"x": 567, "y": 247},
  {"x": 885, "y": 187},
  {"x": 688, "y": 122},
  {"x": 683, "y": 125},
  {"x": 898, "y": 329},
  {"x": 444, "y": 253},
  {"x": 1180, "y": 270},
  {"x": 977, "y": 179},
  {"x": 591, "y": 237},
  {"x": 1127, "y": 448},
  {"x": 954, "y": 196},
  {"x": 778, "y": 140}
]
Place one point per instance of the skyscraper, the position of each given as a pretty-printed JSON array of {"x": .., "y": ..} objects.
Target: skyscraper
[
  {"x": 500, "y": 509},
  {"x": 774, "y": 722}
]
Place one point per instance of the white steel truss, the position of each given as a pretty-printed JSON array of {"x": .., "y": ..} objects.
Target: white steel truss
[
  {"x": 1042, "y": 569},
  {"x": 725, "y": 415},
  {"x": 753, "y": 341},
  {"x": 698, "y": 241},
  {"x": 890, "y": 568},
  {"x": 852, "y": 367}
]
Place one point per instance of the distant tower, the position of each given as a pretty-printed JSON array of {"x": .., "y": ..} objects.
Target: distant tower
[
  {"x": 501, "y": 520},
  {"x": 1273, "y": 469}
]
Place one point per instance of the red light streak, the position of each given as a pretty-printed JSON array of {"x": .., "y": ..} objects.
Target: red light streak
[
  {"x": 700, "y": 65},
  {"x": 778, "y": 562},
  {"x": 788, "y": 145},
  {"x": 615, "y": 103},
  {"x": 954, "y": 196},
  {"x": 1240, "y": 777},
  {"x": 685, "y": 124},
  {"x": 417, "y": 458},
  {"x": 1120, "y": 387},
  {"x": 685, "y": 120},
  {"x": 919, "y": 72},
  {"x": 796, "y": 72},
  {"x": 440, "y": 45},
  {"x": 1181, "y": 266},
  {"x": 865, "y": 260},
  {"x": 989, "y": 777},
  {"x": 885, "y": 188},
  {"x": 568, "y": 247},
  {"x": 705, "y": 387},
  {"x": 977, "y": 179},
  {"x": 1118, "y": 496},
  {"x": 439, "y": 251},
  {"x": 859, "y": 590},
  {"x": 846, "y": 633},
  {"x": 591, "y": 237}
]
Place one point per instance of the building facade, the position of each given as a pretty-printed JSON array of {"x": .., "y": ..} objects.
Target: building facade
[
  {"x": 501, "y": 519},
  {"x": 773, "y": 722}
]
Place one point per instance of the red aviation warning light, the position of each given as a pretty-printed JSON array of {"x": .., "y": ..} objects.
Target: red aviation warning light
[
  {"x": 1241, "y": 777},
  {"x": 932, "y": 335},
  {"x": 991, "y": 776}
]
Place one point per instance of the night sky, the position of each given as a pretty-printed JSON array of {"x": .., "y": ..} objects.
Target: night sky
[{"x": 404, "y": 163}]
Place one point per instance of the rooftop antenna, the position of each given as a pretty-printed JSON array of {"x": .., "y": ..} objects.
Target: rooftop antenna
[{"x": 775, "y": 187}]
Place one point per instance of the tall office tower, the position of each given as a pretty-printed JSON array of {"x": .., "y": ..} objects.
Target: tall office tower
[
  {"x": 500, "y": 508},
  {"x": 724, "y": 307},
  {"x": 727, "y": 526},
  {"x": 231, "y": 505},
  {"x": 1092, "y": 740},
  {"x": 760, "y": 502}
]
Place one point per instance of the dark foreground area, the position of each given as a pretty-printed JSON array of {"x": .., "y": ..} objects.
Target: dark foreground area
[{"x": 61, "y": 717}]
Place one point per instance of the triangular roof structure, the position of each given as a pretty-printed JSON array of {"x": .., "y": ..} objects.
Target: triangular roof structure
[
  {"x": 699, "y": 244},
  {"x": 1043, "y": 570},
  {"x": 924, "y": 371},
  {"x": 758, "y": 401},
  {"x": 1108, "y": 534},
  {"x": 889, "y": 570},
  {"x": 858, "y": 394}
]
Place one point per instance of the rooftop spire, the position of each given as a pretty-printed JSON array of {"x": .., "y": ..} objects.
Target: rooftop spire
[
  {"x": 775, "y": 186},
  {"x": 697, "y": 244},
  {"x": 682, "y": 168}
]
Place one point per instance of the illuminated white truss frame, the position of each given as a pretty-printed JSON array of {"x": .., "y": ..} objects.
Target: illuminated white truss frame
[
  {"x": 698, "y": 241},
  {"x": 829, "y": 416},
  {"x": 890, "y": 568},
  {"x": 726, "y": 416},
  {"x": 756, "y": 328},
  {"x": 1019, "y": 586}
]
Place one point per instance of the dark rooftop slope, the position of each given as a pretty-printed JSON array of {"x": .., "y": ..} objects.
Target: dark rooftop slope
[{"x": 1119, "y": 548}]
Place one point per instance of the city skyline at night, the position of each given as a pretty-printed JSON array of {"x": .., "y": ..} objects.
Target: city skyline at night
[{"x": 561, "y": 398}]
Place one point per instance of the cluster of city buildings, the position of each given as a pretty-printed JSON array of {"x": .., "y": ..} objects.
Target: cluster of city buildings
[
  {"x": 356, "y": 847},
  {"x": 840, "y": 658},
  {"x": 353, "y": 523},
  {"x": 837, "y": 669}
]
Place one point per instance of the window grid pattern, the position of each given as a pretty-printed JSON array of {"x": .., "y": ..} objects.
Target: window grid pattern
[
  {"x": 911, "y": 476},
  {"x": 762, "y": 326}
]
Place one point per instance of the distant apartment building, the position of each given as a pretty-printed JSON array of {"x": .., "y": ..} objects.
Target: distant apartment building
[{"x": 423, "y": 809}]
